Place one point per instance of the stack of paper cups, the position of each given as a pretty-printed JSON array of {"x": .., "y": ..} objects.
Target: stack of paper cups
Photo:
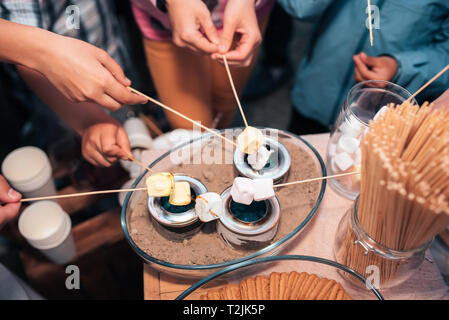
[
  {"x": 28, "y": 170},
  {"x": 47, "y": 228}
]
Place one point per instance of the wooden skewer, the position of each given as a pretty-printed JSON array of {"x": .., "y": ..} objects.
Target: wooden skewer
[
  {"x": 315, "y": 179},
  {"x": 81, "y": 194},
  {"x": 439, "y": 74},
  {"x": 181, "y": 115},
  {"x": 225, "y": 60},
  {"x": 130, "y": 157},
  {"x": 150, "y": 123},
  {"x": 371, "y": 38}
]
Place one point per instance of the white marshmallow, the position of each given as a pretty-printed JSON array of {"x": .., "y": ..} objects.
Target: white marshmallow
[
  {"x": 332, "y": 149},
  {"x": 351, "y": 126},
  {"x": 380, "y": 112},
  {"x": 259, "y": 159},
  {"x": 263, "y": 189},
  {"x": 242, "y": 190},
  {"x": 209, "y": 206},
  {"x": 343, "y": 161},
  {"x": 347, "y": 144}
]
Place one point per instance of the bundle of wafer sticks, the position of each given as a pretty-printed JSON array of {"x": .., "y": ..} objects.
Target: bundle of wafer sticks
[
  {"x": 404, "y": 193},
  {"x": 281, "y": 286}
]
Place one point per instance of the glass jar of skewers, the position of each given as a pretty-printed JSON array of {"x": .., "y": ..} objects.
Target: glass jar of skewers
[
  {"x": 363, "y": 102},
  {"x": 382, "y": 266}
]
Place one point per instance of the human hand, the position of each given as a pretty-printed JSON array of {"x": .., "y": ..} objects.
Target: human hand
[
  {"x": 83, "y": 72},
  {"x": 374, "y": 68},
  {"x": 239, "y": 19},
  {"x": 11, "y": 199},
  {"x": 192, "y": 26},
  {"x": 442, "y": 101},
  {"x": 105, "y": 143}
]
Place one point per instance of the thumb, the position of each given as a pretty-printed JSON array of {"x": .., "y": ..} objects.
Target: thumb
[
  {"x": 7, "y": 194},
  {"x": 368, "y": 60},
  {"x": 227, "y": 36}
]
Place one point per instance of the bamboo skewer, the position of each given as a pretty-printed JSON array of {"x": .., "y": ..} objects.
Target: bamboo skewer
[
  {"x": 81, "y": 194},
  {"x": 315, "y": 179},
  {"x": 371, "y": 38},
  {"x": 439, "y": 74},
  {"x": 225, "y": 60},
  {"x": 130, "y": 157},
  {"x": 181, "y": 115}
]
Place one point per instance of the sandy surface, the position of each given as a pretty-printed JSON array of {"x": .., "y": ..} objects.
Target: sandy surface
[{"x": 207, "y": 248}]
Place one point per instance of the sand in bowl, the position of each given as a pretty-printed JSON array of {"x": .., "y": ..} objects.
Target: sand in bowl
[{"x": 206, "y": 247}]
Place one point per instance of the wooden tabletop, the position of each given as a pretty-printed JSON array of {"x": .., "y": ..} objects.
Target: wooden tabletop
[{"x": 316, "y": 239}]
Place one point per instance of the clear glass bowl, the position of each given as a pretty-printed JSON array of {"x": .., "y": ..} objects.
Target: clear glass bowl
[
  {"x": 199, "y": 271},
  {"x": 363, "y": 102},
  {"x": 323, "y": 268}
]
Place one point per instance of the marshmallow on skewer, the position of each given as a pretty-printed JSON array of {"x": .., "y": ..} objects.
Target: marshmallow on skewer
[
  {"x": 263, "y": 189},
  {"x": 209, "y": 206},
  {"x": 181, "y": 195},
  {"x": 347, "y": 144},
  {"x": 250, "y": 140},
  {"x": 160, "y": 184},
  {"x": 343, "y": 161},
  {"x": 242, "y": 190},
  {"x": 259, "y": 159}
]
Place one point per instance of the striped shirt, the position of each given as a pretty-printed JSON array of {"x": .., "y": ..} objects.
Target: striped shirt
[{"x": 93, "y": 21}]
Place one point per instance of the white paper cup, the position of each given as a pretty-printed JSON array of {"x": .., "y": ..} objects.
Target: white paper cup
[
  {"x": 28, "y": 170},
  {"x": 47, "y": 228}
]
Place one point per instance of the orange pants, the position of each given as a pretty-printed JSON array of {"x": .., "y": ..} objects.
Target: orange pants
[{"x": 194, "y": 85}]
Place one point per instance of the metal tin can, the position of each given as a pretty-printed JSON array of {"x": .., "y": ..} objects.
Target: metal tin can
[
  {"x": 248, "y": 235},
  {"x": 277, "y": 168},
  {"x": 177, "y": 223}
]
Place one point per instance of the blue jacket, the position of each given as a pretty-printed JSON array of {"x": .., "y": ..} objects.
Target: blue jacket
[{"x": 415, "y": 32}]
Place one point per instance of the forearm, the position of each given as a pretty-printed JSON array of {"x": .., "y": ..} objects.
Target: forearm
[
  {"x": 79, "y": 116},
  {"x": 23, "y": 45}
]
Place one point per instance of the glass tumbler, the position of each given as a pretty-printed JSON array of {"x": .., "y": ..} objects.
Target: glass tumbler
[
  {"x": 363, "y": 102},
  {"x": 382, "y": 266}
]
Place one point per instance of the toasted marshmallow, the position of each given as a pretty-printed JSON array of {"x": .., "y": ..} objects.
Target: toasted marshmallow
[
  {"x": 348, "y": 144},
  {"x": 259, "y": 159},
  {"x": 181, "y": 195},
  {"x": 263, "y": 189},
  {"x": 250, "y": 140},
  {"x": 242, "y": 190},
  {"x": 343, "y": 161},
  {"x": 160, "y": 184},
  {"x": 209, "y": 206}
]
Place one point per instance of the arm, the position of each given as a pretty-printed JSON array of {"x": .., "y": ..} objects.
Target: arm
[
  {"x": 80, "y": 71},
  {"x": 104, "y": 139},
  {"x": 417, "y": 66}
]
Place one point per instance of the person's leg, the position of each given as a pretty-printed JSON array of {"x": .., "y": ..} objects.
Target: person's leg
[{"x": 182, "y": 80}]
